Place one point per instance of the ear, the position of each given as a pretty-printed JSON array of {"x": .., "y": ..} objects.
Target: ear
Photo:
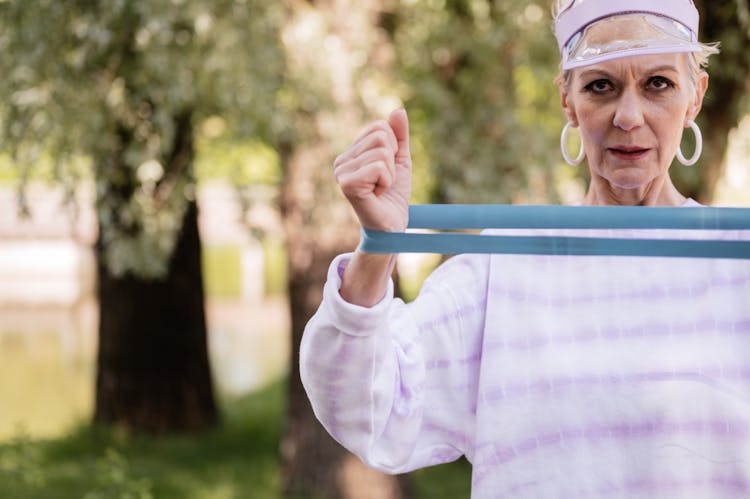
[
  {"x": 701, "y": 85},
  {"x": 566, "y": 101}
]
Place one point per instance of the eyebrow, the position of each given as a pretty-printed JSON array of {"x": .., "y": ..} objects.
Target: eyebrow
[{"x": 656, "y": 69}]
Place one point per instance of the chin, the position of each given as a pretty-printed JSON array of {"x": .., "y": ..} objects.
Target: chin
[
  {"x": 626, "y": 184},
  {"x": 631, "y": 177}
]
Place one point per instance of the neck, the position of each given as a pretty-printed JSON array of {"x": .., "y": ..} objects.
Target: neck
[{"x": 659, "y": 192}]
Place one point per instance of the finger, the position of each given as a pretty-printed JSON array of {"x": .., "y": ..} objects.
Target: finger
[
  {"x": 377, "y": 133},
  {"x": 375, "y": 140},
  {"x": 399, "y": 123},
  {"x": 380, "y": 154},
  {"x": 373, "y": 178}
]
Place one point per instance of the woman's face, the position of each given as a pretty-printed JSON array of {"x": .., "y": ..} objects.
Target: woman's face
[{"x": 631, "y": 112}]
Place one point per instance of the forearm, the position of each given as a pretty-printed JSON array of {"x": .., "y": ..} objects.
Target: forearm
[
  {"x": 365, "y": 368},
  {"x": 366, "y": 277}
]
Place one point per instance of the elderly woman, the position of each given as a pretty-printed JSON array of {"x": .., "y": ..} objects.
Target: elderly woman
[{"x": 556, "y": 376}]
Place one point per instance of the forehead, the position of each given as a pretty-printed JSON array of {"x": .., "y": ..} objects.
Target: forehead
[{"x": 638, "y": 66}]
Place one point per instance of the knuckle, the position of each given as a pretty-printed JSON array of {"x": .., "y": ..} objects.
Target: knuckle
[
  {"x": 382, "y": 165},
  {"x": 382, "y": 153},
  {"x": 371, "y": 128},
  {"x": 345, "y": 183},
  {"x": 340, "y": 164},
  {"x": 380, "y": 138}
]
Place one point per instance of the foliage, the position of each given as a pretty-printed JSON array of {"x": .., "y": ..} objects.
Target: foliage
[
  {"x": 120, "y": 83},
  {"x": 338, "y": 76},
  {"x": 240, "y": 459},
  {"x": 244, "y": 162},
  {"x": 476, "y": 76},
  {"x": 480, "y": 85},
  {"x": 115, "y": 480},
  {"x": 20, "y": 465}
]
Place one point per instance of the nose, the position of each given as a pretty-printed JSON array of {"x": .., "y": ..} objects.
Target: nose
[{"x": 629, "y": 113}]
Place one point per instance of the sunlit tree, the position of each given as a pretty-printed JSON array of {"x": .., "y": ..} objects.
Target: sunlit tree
[{"x": 122, "y": 85}]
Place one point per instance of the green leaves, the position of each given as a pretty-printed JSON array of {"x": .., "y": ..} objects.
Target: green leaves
[
  {"x": 112, "y": 81},
  {"x": 481, "y": 86},
  {"x": 122, "y": 82}
]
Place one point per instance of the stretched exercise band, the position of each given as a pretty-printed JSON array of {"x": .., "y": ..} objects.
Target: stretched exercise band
[{"x": 563, "y": 217}]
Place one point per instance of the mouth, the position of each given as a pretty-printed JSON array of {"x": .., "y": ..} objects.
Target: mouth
[{"x": 628, "y": 152}]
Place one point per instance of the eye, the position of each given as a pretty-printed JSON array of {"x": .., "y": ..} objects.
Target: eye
[
  {"x": 599, "y": 86},
  {"x": 660, "y": 83}
]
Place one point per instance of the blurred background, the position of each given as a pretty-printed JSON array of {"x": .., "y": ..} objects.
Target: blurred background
[{"x": 168, "y": 213}]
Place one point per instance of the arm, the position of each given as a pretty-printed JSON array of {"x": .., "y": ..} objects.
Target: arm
[
  {"x": 396, "y": 383},
  {"x": 374, "y": 174},
  {"x": 375, "y": 383},
  {"x": 365, "y": 279}
]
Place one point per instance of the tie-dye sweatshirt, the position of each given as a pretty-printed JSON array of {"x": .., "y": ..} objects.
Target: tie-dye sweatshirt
[{"x": 556, "y": 376}]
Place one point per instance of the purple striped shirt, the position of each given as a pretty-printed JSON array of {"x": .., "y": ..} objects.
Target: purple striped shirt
[{"x": 555, "y": 376}]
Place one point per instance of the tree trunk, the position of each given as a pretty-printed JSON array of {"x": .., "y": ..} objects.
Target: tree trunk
[{"x": 153, "y": 368}]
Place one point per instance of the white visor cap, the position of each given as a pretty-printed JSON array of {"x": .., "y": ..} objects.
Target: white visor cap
[{"x": 593, "y": 31}]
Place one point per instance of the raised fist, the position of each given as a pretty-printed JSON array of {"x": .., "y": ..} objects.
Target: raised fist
[{"x": 374, "y": 174}]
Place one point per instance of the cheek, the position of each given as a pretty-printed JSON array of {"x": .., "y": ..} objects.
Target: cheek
[
  {"x": 593, "y": 136},
  {"x": 593, "y": 132},
  {"x": 668, "y": 127},
  {"x": 594, "y": 121},
  {"x": 671, "y": 141}
]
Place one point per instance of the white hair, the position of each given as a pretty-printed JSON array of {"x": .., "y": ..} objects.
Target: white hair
[{"x": 557, "y": 7}]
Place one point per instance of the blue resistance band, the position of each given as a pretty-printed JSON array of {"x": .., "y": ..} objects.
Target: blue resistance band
[{"x": 445, "y": 217}]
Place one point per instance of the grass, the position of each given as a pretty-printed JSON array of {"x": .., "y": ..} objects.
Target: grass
[
  {"x": 447, "y": 481},
  {"x": 237, "y": 460}
]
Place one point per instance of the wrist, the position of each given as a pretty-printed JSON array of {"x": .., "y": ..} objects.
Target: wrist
[{"x": 364, "y": 281}]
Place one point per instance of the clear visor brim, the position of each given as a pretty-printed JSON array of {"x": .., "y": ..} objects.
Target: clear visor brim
[{"x": 627, "y": 35}]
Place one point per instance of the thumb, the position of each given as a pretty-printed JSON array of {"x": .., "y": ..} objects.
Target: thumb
[{"x": 399, "y": 122}]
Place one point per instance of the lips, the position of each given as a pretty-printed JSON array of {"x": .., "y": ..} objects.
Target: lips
[{"x": 629, "y": 152}]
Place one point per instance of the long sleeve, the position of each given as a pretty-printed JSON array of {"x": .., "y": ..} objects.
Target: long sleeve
[{"x": 396, "y": 383}]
